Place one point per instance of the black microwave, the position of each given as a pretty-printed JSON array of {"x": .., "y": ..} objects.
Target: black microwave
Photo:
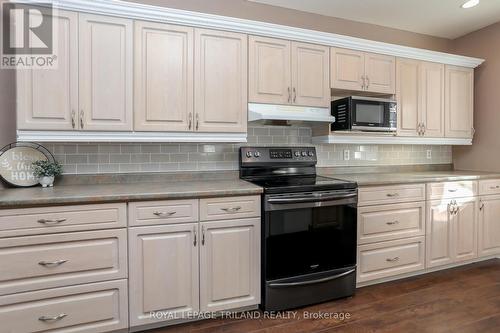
[{"x": 364, "y": 114}]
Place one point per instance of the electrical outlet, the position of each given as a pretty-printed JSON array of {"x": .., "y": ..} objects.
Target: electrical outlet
[
  {"x": 429, "y": 154},
  {"x": 208, "y": 148},
  {"x": 347, "y": 155}
]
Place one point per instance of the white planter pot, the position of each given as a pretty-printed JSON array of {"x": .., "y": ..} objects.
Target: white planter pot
[{"x": 46, "y": 181}]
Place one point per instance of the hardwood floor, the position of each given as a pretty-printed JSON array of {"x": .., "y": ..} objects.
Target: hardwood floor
[{"x": 458, "y": 300}]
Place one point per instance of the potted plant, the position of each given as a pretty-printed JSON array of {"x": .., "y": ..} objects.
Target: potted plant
[{"x": 46, "y": 171}]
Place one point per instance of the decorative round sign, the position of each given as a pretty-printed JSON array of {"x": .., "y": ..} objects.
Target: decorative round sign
[{"x": 16, "y": 162}]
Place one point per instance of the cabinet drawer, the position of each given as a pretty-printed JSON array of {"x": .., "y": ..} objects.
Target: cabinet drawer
[
  {"x": 391, "y": 194},
  {"x": 387, "y": 222},
  {"x": 390, "y": 258},
  {"x": 490, "y": 186},
  {"x": 44, "y": 220},
  {"x": 229, "y": 208},
  {"x": 92, "y": 308},
  {"x": 163, "y": 212},
  {"x": 451, "y": 190},
  {"x": 48, "y": 261}
]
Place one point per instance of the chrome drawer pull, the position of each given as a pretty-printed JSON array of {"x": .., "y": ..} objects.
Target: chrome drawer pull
[
  {"x": 392, "y": 259},
  {"x": 56, "y": 221},
  {"x": 390, "y": 195},
  {"x": 164, "y": 213},
  {"x": 54, "y": 318},
  {"x": 52, "y": 263},
  {"x": 452, "y": 190},
  {"x": 231, "y": 210},
  {"x": 494, "y": 187},
  {"x": 392, "y": 223}
]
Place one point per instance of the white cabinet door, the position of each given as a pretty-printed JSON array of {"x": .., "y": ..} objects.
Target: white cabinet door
[
  {"x": 440, "y": 237},
  {"x": 459, "y": 102},
  {"x": 48, "y": 98},
  {"x": 230, "y": 264},
  {"x": 489, "y": 225},
  {"x": 105, "y": 48},
  {"x": 269, "y": 70},
  {"x": 347, "y": 69},
  {"x": 310, "y": 75},
  {"x": 407, "y": 93},
  {"x": 432, "y": 98},
  {"x": 220, "y": 78},
  {"x": 163, "y": 272},
  {"x": 380, "y": 73},
  {"x": 163, "y": 77},
  {"x": 465, "y": 224}
]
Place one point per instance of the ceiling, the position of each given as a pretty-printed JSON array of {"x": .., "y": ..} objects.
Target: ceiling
[{"x": 441, "y": 18}]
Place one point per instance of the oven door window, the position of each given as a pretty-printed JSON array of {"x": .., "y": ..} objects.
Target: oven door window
[
  {"x": 370, "y": 114},
  {"x": 309, "y": 240}
]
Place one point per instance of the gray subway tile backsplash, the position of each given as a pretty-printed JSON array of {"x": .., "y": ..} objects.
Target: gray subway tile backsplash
[{"x": 151, "y": 157}]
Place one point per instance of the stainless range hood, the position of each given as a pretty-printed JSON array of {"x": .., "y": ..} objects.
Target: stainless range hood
[{"x": 288, "y": 114}]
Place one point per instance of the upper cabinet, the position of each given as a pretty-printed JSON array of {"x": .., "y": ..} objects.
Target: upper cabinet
[
  {"x": 459, "y": 102},
  {"x": 420, "y": 96},
  {"x": 362, "y": 71},
  {"x": 284, "y": 72},
  {"x": 163, "y": 99},
  {"x": 220, "y": 81},
  {"x": 105, "y": 57},
  {"x": 48, "y": 99}
]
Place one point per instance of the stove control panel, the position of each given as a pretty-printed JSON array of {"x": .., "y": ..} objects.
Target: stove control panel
[{"x": 278, "y": 154}]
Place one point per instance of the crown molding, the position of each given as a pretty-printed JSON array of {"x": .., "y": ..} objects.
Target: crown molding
[{"x": 182, "y": 17}]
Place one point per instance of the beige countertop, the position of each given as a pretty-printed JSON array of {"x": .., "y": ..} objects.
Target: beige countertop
[
  {"x": 373, "y": 179},
  {"x": 84, "y": 194}
]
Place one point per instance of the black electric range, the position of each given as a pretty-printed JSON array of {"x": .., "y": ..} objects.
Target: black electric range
[{"x": 308, "y": 227}]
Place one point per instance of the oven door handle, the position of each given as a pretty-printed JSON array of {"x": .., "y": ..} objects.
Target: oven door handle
[
  {"x": 277, "y": 201},
  {"x": 306, "y": 283}
]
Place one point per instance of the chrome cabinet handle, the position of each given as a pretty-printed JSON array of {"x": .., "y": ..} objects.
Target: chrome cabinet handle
[
  {"x": 363, "y": 82},
  {"x": 391, "y": 195},
  {"x": 52, "y": 263},
  {"x": 52, "y": 318},
  {"x": 73, "y": 114},
  {"x": 481, "y": 205},
  {"x": 294, "y": 94},
  {"x": 56, "y": 221},
  {"x": 392, "y": 259},
  {"x": 190, "y": 120},
  {"x": 202, "y": 235},
  {"x": 367, "y": 82},
  {"x": 161, "y": 214},
  {"x": 231, "y": 210},
  {"x": 452, "y": 190},
  {"x": 423, "y": 129},
  {"x": 197, "y": 121},
  {"x": 289, "y": 95},
  {"x": 473, "y": 130},
  {"x": 494, "y": 187},
  {"x": 392, "y": 223},
  {"x": 81, "y": 119},
  {"x": 195, "y": 241}
]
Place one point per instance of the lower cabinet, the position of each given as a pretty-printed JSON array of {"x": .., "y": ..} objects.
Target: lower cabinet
[
  {"x": 163, "y": 274},
  {"x": 229, "y": 264},
  {"x": 451, "y": 231},
  {"x": 86, "y": 308},
  {"x": 179, "y": 269},
  {"x": 489, "y": 225}
]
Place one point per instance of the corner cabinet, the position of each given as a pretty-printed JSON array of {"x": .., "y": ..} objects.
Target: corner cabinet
[
  {"x": 285, "y": 72},
  {"x": 229, "y": 264},
  {"x": 459, "y": 102}
]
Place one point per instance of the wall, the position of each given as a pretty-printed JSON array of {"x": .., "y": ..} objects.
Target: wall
[
  {"x": 484, "y": 153},
  {"x": 106, "y": 158}
]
